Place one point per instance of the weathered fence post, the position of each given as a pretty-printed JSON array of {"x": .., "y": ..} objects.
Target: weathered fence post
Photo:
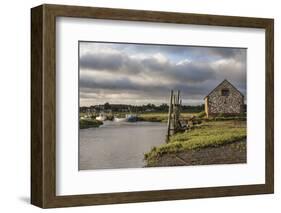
[
  {"x": 170, "y": 115},
  {"x": 174, "y": 114}
]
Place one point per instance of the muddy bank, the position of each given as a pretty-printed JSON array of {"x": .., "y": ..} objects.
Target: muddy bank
[{"x": 231, "y": 153}]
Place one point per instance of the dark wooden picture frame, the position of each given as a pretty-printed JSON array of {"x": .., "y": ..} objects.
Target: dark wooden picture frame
[{"x": 43, "y": 105}]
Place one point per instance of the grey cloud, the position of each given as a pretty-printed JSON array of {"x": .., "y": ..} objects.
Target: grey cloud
[
  {"x": 119, "y": 63},
  {"x": 127, "y": 85},
  {"x": 195, "y": 78},
  {"x": 198, "y": 51},
  {"x": 225, "y": 52},
  {"x": 112, "y": 62},
  {"x": 101, "y": 61},
  {"x": 113, "y": 84}
]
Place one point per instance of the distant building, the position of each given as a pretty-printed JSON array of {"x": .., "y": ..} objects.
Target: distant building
[{"x": 224, "y": 99}]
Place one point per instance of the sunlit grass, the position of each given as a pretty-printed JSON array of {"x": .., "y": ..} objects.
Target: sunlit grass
[
  {"x": 160, "y": 116},
  {"x": 210, "y": 134}
]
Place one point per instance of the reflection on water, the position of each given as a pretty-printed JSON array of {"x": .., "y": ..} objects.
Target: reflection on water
[{"x": 118, "y": 145}]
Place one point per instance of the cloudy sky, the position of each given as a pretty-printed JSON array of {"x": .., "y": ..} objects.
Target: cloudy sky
[{"x": 140, "y": 74}]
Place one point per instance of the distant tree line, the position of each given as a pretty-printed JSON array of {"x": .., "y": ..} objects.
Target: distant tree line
[{"x": 107, "y": 107}]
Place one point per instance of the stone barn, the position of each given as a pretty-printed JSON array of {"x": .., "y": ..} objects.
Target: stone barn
[{"x": 224, "y": 99}]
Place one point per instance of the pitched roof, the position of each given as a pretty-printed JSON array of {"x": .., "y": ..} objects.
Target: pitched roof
[{"x": 221, "y": 84}]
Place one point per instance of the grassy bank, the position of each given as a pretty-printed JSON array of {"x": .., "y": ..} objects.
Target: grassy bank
[
  {"x": 230, "y": 153},
  {"x": 160, "y": 117},
  {"x": 153, "y": 117},
  {"x": 89, "y": 123},
  {"x": 209, "y": 134}
]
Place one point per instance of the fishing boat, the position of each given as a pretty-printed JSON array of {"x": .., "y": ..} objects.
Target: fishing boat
[
  {"x": 120, "y": 119},
  {"x": 131, "y": 117},
  {"x": 101, "y": 117}
]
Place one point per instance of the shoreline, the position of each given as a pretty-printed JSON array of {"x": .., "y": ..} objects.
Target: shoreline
[
  {"x": 206, "y": 137},
  {"x": 89, "y": 123},
  {"x": 232, "y": 153}
]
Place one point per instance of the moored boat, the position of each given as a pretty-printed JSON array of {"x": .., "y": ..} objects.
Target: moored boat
[
  {"x": 131, "y": 118},
  {"x": 101, "y": 117},
  {"x": 120, "y": 119}
]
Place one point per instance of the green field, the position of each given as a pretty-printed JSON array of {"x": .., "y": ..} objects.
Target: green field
[
  {"x": 89, "y": 123},
  {"x": 160, "y": 116},
  {"x": 208, "y": 134}
]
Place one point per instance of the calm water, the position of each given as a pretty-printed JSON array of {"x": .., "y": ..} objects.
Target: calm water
[{"x": 119, "y": 145}]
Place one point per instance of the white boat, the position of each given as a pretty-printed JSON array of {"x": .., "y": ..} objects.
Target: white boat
[
  {"x": 120, "y": 119},
  {"x": 101, "y": 117}
]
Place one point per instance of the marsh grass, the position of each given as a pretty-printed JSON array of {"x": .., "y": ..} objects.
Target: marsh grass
[
  {"x": 153, "y": 117},
  {"x": 89, "y": 123},
  {"x": 209, "y": 134},
  {"x": 160, "y": 117}
]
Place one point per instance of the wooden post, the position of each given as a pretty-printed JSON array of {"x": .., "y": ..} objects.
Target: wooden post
[
  {"x": 178, "y": 110},
  {"x": 169, "y": 116},
  {"x": 175, "y": 114}
]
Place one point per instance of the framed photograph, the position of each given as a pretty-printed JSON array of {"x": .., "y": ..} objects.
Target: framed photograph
[{"x": 136, "y": 106}]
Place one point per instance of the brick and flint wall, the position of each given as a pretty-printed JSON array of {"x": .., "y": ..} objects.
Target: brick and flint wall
[{"x": 224, "y": 99}]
